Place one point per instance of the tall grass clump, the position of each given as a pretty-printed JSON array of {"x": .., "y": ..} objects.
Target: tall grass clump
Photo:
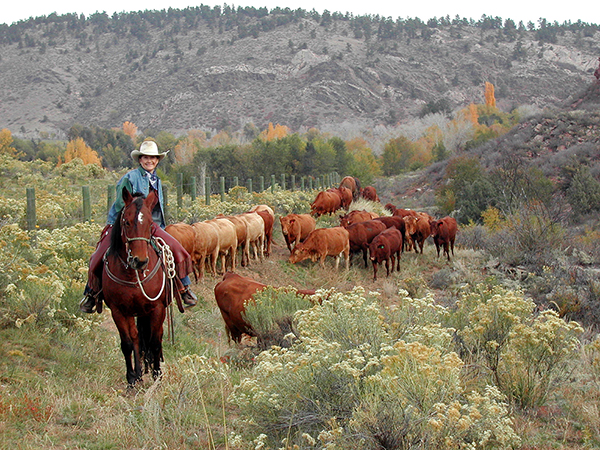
[
  {"x": 347, "y": 382},
  {"x": 271, "y": 314}
]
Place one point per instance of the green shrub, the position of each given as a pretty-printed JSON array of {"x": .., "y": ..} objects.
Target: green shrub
[{"x": 271, "y": 315}]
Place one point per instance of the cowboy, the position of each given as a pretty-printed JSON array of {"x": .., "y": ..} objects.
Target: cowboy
[{"x": 140, "y": 180}]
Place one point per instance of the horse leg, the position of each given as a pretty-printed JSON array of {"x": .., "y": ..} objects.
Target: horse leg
[
  {"x": 155, "y": 340},
  {"x": 129, "y": 344}
]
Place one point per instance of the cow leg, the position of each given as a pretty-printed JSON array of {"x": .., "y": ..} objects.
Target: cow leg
[
  {"x": 374, "y": 271},
  {"x": 387, "y": 267}
]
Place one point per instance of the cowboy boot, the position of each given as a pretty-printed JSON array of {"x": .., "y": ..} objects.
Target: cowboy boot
[
  {"x": 88, "y": 302},
  {"x": 188, "y": 297}
]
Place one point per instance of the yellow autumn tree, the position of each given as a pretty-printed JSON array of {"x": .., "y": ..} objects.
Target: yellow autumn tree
[
  {"x": 186, "y": 148},
  {"x": 6, "y": 141},
  {"x": 274, "y": 132},
  {"x": 490, "y": 99},
  {"x": 364, "y": 165},
  {"x": 77, "y": 148},
  {"x": 130, "y": 129}
]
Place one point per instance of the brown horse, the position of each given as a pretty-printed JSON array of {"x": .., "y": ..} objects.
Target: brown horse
[{"x": 136, "y": 285}]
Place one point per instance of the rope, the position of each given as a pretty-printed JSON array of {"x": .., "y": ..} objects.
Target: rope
[{"x": 168, "y": 262}]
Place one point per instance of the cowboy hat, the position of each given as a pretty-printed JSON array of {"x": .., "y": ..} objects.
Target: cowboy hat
[{"x": 148, "y": 148}]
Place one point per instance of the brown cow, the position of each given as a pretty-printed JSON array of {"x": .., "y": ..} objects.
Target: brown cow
[
  {"x": 206, "y": 249},
  {"x": 362, "y": 233},
  {"x": 418, "y": 229},
  {"x": 321, "y": 243},
  {"x": 266, "y": 212},
  {"x": 353, "y": 184},
  {"x": 393, "y": 221},
  {"x": 326, "y": 202},
  {"x": 370, "y": 193},
  {"x": 386, "y": 246},
  {"x": 231, "y": 295},
  {"x": 345, "y": 195},
  {"x": 295, "y": 228},
  {"x": 355, "y": 217},
  {"x": 444, "y": 234}
]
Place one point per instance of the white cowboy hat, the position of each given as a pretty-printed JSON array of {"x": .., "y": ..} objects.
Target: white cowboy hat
[{"x": 148, "y": 148}]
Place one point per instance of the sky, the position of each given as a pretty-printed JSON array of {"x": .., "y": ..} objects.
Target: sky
[{"x": 517, "y": 10}]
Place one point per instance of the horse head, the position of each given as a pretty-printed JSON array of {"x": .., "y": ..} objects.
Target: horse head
[{"x": 135, "y": 223}]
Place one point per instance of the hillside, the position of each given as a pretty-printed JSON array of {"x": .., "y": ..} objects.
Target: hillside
[{"x": 216, "y": 69}]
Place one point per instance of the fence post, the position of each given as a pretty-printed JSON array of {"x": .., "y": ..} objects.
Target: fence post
[
  {"x": 249, "y": 184},
  {"x": 283, "y": 181},
  {"x": 222, "y": 188},
  {"x": 272, "y": 184},
  {"x": 236, "y": 182},
  {"x": 310, "y": 183},
  {"x": 87, "y": 205},
  {"x": 31, "y": 219},
  {"x": 207, "y": 191},
  {"x": 262, "y": 183},
  {"x": 193, "y": 189},
  {"x": 292, "y": 182},
  {"x": 302, "y": 183},
  {"x": 179, "y": 190},
  {"x": 110, "y": 196}
]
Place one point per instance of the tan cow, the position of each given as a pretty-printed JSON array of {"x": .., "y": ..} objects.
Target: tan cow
[
  {"x": 321, "y": 243},
  {"x": 243, "y": 239},
  {"x": 266, "y": 212},
  {"x": 206, "y": 250},
  {"x": 256, "y": 232},
  {"x": 227, "y": 242}
]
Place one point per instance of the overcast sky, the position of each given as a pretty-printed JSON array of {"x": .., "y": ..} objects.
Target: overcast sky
[{"x": 517, "y": 10}]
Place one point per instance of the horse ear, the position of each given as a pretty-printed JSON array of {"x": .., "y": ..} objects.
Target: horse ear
[
  {"x": 127, "y": 197},
  {"x": 151, "y": 199}
]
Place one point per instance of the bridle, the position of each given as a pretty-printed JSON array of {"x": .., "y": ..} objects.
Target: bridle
[{"x": 166, "y": 260}]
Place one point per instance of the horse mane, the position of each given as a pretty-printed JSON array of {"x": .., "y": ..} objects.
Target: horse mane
[{"x": 116, "y": 243}]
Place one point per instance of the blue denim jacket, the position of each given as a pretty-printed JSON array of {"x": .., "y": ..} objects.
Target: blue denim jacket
[{"x": 137, "y": 181}]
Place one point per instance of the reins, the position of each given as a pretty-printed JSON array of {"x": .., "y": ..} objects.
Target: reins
[{"x": 167, "y": 261}]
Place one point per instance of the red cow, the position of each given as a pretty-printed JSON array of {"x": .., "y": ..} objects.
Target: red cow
[
  {"x": 444, "y": 234},
  {"x": 395, "y": 222},
  {"x": 361, "y": 235},
  {"x": 355, "y": 217},
  {"x": 418, "y": 229},
  {"x": 321, "y": 243},
  {"x": 386, "y": 246},
  {"x": 326, "y": 202},
  {"x": 231, "y": 295},
  {"x": 345, "y": 195},
  {"x": 353, "y": 184},
  {"x": 295, "y": 228},
  {"x": 370, "y": 193}
]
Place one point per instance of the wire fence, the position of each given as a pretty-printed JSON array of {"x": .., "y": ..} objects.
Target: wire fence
[{"x": 96, "y": 201}]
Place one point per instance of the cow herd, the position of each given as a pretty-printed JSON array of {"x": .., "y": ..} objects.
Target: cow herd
[
  {"x": 378, "y": 239},
  {"x": 219, "y": 239}
]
